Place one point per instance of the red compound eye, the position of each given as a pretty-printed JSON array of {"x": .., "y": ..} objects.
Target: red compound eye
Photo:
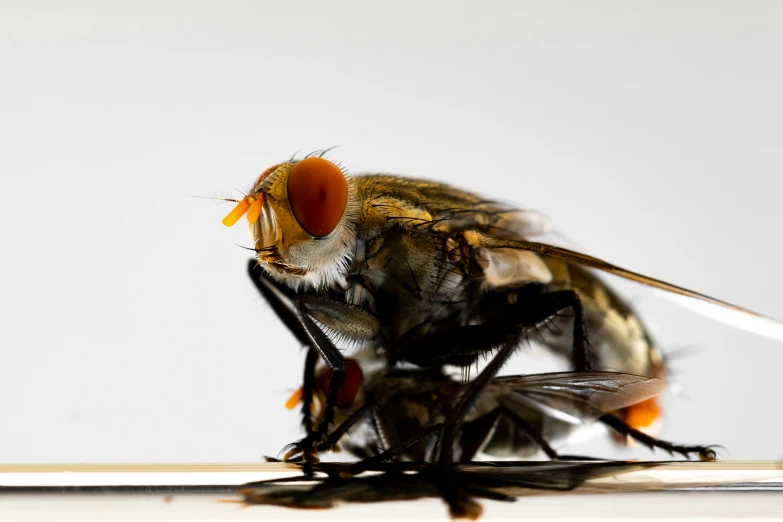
[
  {"x": 318, "y": 193},
  {"x": 351, "y": 384}
]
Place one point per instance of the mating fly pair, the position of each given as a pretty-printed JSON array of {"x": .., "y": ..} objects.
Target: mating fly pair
[{"x": 419, "y": 274}]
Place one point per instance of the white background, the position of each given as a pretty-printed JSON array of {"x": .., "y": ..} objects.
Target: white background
[{"x": 651, "y": 132}]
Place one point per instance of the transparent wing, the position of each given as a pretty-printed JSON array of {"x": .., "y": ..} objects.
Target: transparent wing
[
  {"x": 573, "y": 397},
  {"x": 720, "y": 310}
]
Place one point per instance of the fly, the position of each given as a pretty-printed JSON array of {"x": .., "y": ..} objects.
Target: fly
[
  {"x": 421, "y": 273},
  {"x": 405, "y": 409},
  {"x": 393, "y": 413}
]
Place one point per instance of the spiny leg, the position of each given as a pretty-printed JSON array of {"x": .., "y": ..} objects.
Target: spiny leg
[
  {"x": 334, "y": 437},
  {"x": 525, "y": 314},
  {"x": 560, "y": 300},
  {"x": 705, "y": 453},
  {"x": 468, "y": 400},
  {"x": 344, "y": 319},
  {"x": 336, "y": 363},
  {"x": 476, "y": 432},
  {"x": 397, "y": 449},
  {"x": 281, "y": 299},
  {"x": 462, "y": 344},
  {"x": 532, "y": 432},
  {"x": 291, "y": 311},
  {"x": 308, "y": 386}
]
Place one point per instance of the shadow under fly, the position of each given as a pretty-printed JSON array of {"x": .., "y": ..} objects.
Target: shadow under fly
[{"x": 329, "y": 484}]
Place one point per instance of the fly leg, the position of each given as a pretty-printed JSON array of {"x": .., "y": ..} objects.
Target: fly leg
[
  {"x": 457, "y": 416},
  {"x": 561, "y": 300},
  {"x": 532, "y": 432},
  {"x": 336, "y": 363},
  {"x": 534, "y": 305},
  {"x": 349, "y": 321},
  {"x": 476, "y": 433},
  {"x": 458, "y": 496},
  {"x": 705, "y": 453},
  {"x": 296, "y": 312},
  {"x": 523, "y": 315},
  {"x": 308, "y": 385},
  {"x": 281, "y": 299},
  {"x": 396, "y": 450},
  {"x": 335, "y": 436}
]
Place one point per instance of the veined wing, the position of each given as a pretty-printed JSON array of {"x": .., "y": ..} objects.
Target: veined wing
[
  {"x": 725, "y": 312},
  {"x": 573, "y": 397},
  {"x": 427, "y": 205}
]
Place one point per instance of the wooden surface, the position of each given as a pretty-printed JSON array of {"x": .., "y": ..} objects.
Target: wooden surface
[{"x": 734, "y": 490}]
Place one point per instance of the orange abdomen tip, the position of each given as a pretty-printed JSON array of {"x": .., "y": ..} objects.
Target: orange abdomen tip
[
  {"x": 242, "y": 207},
  {"x": 294, "y": 399},
  {"x": 643, "y": 414}
]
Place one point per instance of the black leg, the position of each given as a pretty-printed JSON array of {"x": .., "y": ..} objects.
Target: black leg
[
  {"x": 468, "y": 400},
  {"x": 704, "y": 452},
  {"x": 335, "y": 362},
  {"x": 475, "y": 434},
  {"x": 461, "y": 345},
  {"x": 532, "y": 433},
  {"x": 308, "y": 386},
  {"x": 392, "y": 452},
  {"x": 525, "y": 314},
  {"x": 280, "y": 298},
  {"x": 560, "y": 300},
  {"x": 291, "y": 311},
  {"x": 335, "y": 436},
  {"x": 318, "y": 340}
]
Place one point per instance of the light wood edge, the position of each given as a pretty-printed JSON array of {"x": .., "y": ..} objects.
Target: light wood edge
[{"x": 278, "y": 467}]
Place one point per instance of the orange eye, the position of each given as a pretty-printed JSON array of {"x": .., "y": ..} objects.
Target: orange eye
[
  {"x": 350, "y": 386},
  {"x": 318, "y": 193}
]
